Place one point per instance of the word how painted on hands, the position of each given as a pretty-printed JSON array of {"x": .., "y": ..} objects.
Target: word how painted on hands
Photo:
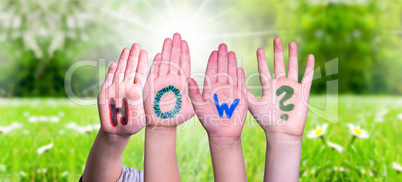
[
  {"x": 114, "y": 111},
  {"x": 224, "y": 107},
  {"x": 177, "y": 107},
  {"x": 288, "y": 94}
]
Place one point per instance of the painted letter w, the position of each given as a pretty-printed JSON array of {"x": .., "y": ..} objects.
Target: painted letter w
[{"x": 224, "y": 107}]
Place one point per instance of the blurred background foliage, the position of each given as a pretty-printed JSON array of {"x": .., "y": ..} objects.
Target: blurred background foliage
[{"x": 41, "y": 40}]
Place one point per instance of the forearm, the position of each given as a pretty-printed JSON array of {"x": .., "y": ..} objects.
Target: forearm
[
  {"x": 160, "y": 155},
  {"x": 227, "y": 159},
  {"x": 105, "y": 159},
  {"x": 282, "y": 159}
]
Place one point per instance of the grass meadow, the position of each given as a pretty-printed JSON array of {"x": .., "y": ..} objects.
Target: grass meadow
[{"x": 51, "y": 138}]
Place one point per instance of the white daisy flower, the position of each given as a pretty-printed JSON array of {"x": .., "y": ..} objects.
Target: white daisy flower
[
  {"x": 356, "y": 131},
  {"x": 379, "y": 117},
  {"x": 65, "y": 173},
  {"x": 54, "y": 119},
  {"x": 382, "y": 112},
  {"x": 340, "y": 168},
  {"x": 43, "y": 119},
  {"x": 26, "y": 113},
  {"x": 363, "y": 171},
  {"x": 313, "y": 171},
  {"x": 41, "y": 170},
  {"x": 83, "y": 129},
  {"x": 62, "y": 114},
  {"x": 397, "y": 166},
  {"x": 95, "y": 126},
  {"x": 33, "y": 119},
  {"x": 2, "y": 167},
  {"x": 71, "y": 125},
  {"x": 335, "y": 146},
  {"x": 25, "y": 132},
  {"x": 399, "y": 116},
  {"x": 89, "y": 128},
  {"x": 318, "y": 131},
  {"x": 44, "y": 148},
  {"x": 7, "y": 129}
]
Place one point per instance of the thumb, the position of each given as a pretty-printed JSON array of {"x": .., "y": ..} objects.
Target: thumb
[
  {"x": 194, "y": 93},
  {"x": 252, "y": 100}
]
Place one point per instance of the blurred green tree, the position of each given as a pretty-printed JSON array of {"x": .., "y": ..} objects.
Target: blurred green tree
[
  {"x": 353, "y": 32},
  {"x": 364, "y": 36},
  {"x": 39, "y": 41}
]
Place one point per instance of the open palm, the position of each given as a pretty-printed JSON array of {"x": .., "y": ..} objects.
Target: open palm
[
  {"x": 166, "y": 98},
  {"x": 273, "y": 111},
  {"x": 225, "y": 82},
  {"x": 124, "y": 82}
]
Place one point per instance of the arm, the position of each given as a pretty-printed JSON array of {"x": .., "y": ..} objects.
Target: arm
[
  {"x": 227, "y": 159},
  {"x": 282, "y": 160},
  {"x": 160, "y": 154},
  {"x": 224, "y": 131},
  {"x": 123, "y": 86},
  {"x": 167, "y": 106},
  {"x": 283, "y": 130},
  {"x": 104, "y": 162}
]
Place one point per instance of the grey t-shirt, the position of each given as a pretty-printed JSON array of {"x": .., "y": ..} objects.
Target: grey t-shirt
[{"x": 130, "y": 175}]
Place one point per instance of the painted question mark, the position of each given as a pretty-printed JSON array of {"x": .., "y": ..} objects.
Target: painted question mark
[{"x": 288, "y": 94}]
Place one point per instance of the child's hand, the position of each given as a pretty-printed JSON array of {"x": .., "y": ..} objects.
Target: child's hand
[
  {"x": 121, "y": 113},
  {"x": 222, "y": 110},
  {"x": 282, "y": 111},
  {"x": 282, "y": 121},
  {"x": 166, "y": 101},
  {"x": 224, "y": 84},
  {"x": 123, "y": 84},
  {"x": 167, "y": 105}
]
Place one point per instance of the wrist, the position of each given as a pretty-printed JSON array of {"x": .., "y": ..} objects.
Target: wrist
[
  {"x": 113, "y": 139},
  {"x": 161, "y": 129},
  {"x": 224, "y": 141},
  {"x": 283, "y": 143},
  {"x": 160, "y": 139},
  {"x": 160, "y": 133}
]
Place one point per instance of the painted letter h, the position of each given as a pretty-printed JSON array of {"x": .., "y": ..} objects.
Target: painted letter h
[{"x": 115, "y": 111}]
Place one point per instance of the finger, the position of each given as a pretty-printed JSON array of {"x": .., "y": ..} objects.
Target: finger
[
  {"x": 293, "y": 65},
  {"x": 167, "y": 48},
  {"x": 232, "y": 69},
  {"x": 109, "y": 76},
  {"x": 308, "y": 76},
  {"x": 121, "y": 67},
  {"x": 132, "y": 62},
  {"x": 185, "y": 61},
  {"x": 175, "y": 54},
  {"x": 222, "y": 63},
  {"x": 279, "y": 61},
  {"x": 263, "y": 69},
  {"x": 212, "y": 69},
  {"x": 194, "y": 93},
  {"x": 142, "y": 67},
  {"x": 241, "y": 80},
  {"x": 154, "y": 72},
  {"x": 252, "y": 100}
]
